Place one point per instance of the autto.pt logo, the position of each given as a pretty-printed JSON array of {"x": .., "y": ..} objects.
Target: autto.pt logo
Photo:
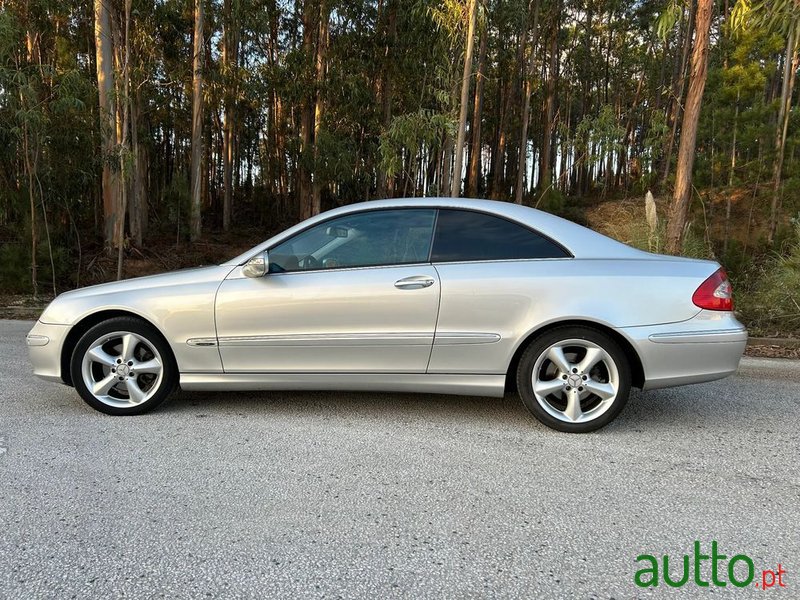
[{"x": 704, "y": 570}]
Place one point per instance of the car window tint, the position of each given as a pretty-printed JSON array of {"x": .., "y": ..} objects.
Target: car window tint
[
  {"x": 371, "y": 238},
  {"x": 466, "y": 235}
]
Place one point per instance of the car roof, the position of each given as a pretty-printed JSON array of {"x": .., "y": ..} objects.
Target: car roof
[{"x": 580, "y": 241}]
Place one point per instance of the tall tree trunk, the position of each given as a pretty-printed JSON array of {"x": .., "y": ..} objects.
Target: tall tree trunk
[
  {"x": 447, "y": 161},
  {"x": 229, "y": 63},
  {"x": 790, "y": 64},
  {"x": 390, "y": 34},
  {"x": 730, "y": 175},
  {"x": 30, "y": 170},
  {"x": 455, "y": 188},
  {"x": 498, "y": 186},
  {"x": 527, "y": 85},
  {"x": 686, "y": 151},
  {"x": 320, "y": 64},
  {"x": 678, "y": 89},
  {"x": 108, "y": 129},
  {"x": 304, "y": 184},
  {"x": 137, "y": 213},
  {"x": 583, "y": 167},
  {"x": 124, "y": 153},
  {"x": 474, "y": 170},
  {"x": 499, "y": 151},
  {"x": 732, "y": 170},
  {"x": 197, "y": 123},
  {"x": 277, "y": 115},
  {"x": 545, "y": 166}
]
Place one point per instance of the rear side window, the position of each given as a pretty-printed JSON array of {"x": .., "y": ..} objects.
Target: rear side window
[{"x": 465, "y": 235}]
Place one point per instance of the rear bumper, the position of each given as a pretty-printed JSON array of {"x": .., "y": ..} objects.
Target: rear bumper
[
  {"x": 45, "y": 342},
  {"x": 704, "y": 348}
]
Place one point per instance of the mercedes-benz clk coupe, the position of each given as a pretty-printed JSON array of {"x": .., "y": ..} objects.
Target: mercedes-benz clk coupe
[{"x": 430, "y": 295}]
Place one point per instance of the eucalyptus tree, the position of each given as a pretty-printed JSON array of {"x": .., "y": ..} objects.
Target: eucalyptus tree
[
  {"x": 472, "y": 11},
  {"x": 103, "y": 42},
  {"x": 229, "y": 66},
  {"x": 698, "y": 71},
  {"x": 782, "y": 17},
  {"x": 198, "y": 46},
  {"x": 527, "y": 87}
]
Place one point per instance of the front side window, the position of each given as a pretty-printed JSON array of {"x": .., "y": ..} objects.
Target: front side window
[
  {"x": 468, "y": 236},
  {"x": 372, "y": 238}
]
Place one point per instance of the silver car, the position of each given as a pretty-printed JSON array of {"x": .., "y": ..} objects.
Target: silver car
[{"x": 429, "y": 295}]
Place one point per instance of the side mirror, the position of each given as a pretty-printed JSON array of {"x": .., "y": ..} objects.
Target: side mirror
[{"x": 256, "y": 266}]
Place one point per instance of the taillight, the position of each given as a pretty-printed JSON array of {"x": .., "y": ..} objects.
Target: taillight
[{"x": 715, "y": 293}]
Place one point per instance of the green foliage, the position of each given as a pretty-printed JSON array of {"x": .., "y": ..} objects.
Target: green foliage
[
  {"x": 655, "y": 139},
  {"x": 780, "y": 16},
  {"x": 450, "y": 16},
  {"x": 176, "y": 201},
  {"x": 552, "y": 201},
  {"x": 741, "y": 14},
  {"x": 412, "y": 131},
  {"x": 772, "y": 304},
  {"x": 15, "y": 266},
  {"x": 668, "y": 18},
  {"x": 605, "y": 132}
]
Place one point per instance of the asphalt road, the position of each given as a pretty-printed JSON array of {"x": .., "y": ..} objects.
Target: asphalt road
[{"x": 389, "y": 495}]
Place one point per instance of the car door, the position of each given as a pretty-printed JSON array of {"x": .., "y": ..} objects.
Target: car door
[{"x": 354, "y": 294}]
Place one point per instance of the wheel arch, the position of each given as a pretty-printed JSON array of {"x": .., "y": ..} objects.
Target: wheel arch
[
  {"x": 635, "y": 361},
  {"x": 89, "y": 321}
]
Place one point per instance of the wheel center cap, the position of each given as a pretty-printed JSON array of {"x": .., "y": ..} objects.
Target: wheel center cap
[
  {"x": 574, "y": 380},
  {"x": 123, "y": 370}
]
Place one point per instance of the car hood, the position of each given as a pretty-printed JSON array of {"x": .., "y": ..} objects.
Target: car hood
[
  {"x": 181, "y": 277},
  {"x": 132, "y": 293}
]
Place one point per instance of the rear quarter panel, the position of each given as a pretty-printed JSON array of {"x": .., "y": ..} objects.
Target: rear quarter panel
[{"x": 515, "y": 298}]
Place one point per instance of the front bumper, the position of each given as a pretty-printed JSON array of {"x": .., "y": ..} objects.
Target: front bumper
[
  {"x": 45, "y": 342},
  {"x": 704, "y": 348}
]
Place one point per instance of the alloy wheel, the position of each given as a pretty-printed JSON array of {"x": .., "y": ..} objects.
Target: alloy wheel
[
  {"x": 122, "y": 369},
  {"x": 575, "y": 381}
]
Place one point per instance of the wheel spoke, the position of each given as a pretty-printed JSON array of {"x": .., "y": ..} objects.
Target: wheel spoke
[
  {"x": 573, "y": 410},
  {"x": 135, "y": 393},
  {"x": 129, "y": 342},
  {"x": 593, "y": 356},
  {"x": 545, "y": 388},
  {"x": 97, "y": 354},
  {"x": 604, "y": 390},
  {"x": 556, "y": 354},
  {"x": 101, "y": 388},
  {"x": 149, "y": 366}
]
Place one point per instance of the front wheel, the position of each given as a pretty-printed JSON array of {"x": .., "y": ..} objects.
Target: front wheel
[
  {"x": 123, "y": 366},
  {"x": 574, "y": 379}
]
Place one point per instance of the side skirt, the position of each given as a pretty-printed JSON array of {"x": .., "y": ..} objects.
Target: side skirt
[{"x": 465, "y": 385}]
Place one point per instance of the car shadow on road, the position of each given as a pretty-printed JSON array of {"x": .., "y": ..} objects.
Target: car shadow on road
[
  {"x": 645, "y": 411},
  {"x": 364, "y": 405}
]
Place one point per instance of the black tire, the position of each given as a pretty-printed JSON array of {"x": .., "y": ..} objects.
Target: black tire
[
  {"x": 535, "y": 357},
  {"x": 149, "y": 339}
]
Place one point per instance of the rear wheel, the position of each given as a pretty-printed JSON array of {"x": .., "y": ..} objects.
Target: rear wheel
[
  {"x": 123, "y": 366},
  {"x": 574, "y": 379}
]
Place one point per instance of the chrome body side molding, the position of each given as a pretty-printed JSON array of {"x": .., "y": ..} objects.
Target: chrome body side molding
[
  {"x": 330, "y": 339},
  {"x": 352, "y": 339},
  {"x": 207, "y": 341},
  {"x": 468, "y": 385},
  {"x": 457, "y": 338},
  {"x": 700, "y": 337}
]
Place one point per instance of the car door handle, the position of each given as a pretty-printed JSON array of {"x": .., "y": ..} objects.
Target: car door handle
[{"x": 414, "y": 282}]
